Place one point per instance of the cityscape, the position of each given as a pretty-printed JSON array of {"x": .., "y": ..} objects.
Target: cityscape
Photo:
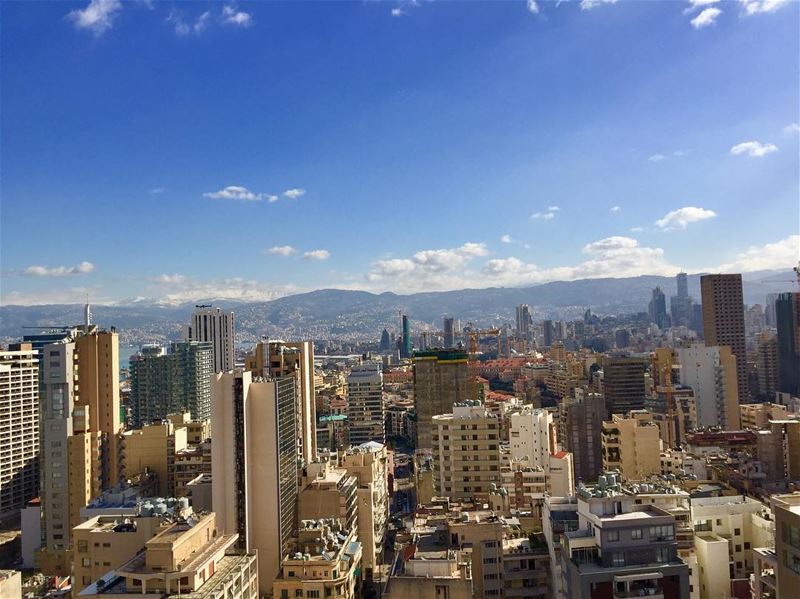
[{"x": 509, "y": 305}]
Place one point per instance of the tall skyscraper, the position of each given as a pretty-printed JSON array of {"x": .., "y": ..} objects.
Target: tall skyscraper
[
  {"x": 723, "y": 321},
  {"x": 711, "y": 372},
  {"x": 681, "y": 305},
  {"x": 216, "y": 327},
  {"x": 623, "y": 383},
  {"x": 296, "y": 358},
  {"x": 548, "y": 333},
  {"x": 767, "y": 365},
  {"x": 658, "y": 308},
  {"x": 254, "y": 461},
  {"x": 441, "y": 378},
  {"x": 167, "y": 383},
  {"x": 386, "y": 342},
  {"x": 79, "y": 447},
  {"x": 406, "y": 347},
  {"x": 787, "y": 314},
  {"x": 580, "y": 426},
  {"x": 449, "y": 332},
  {"x": 524, "y": 320},
  {"x": 365, "y": 414},
  {"x": 19, "y": 428},
  {"x": 683, "y": 284}
]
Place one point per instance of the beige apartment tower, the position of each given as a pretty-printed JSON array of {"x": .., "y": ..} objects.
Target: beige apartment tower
[
  {"x": 632, "y": 445},
  {"x": 723, "y": 321},
  {"x": 254, "y": 463}
]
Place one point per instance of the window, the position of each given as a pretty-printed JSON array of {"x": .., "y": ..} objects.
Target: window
[
  {"x": 312, "y": 594},
  {"x": 636, "y": 534},
  {"x": 738, "y": 548},
  {"x": 284, "y": 594},
  {"x": 662, "y": 555},
  {"x": 489, "y": 560},
  {"x": 86, "y": 562},
  {"x": 618, "y": 558},
  {"x": 747, "y": 545},
  {"x": 613, "y": 536},
  {"x": 298, "y": 593},
  {"x": 662, "y": 533},
  {"x": 737, "y": 531}
]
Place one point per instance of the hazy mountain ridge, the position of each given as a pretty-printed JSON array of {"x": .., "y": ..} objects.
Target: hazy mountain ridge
[{"x": 334, "y": 312}]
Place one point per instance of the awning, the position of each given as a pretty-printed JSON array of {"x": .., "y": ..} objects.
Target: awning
[{"x": 642, "y": 576}]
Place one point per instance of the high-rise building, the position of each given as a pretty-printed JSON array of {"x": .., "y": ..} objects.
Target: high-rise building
[
  {"x": 711, "y": 373},
  {"x": 531, "y": 436},
  {"x": 386, "y": 342},
  {"x": 657, "y": 308},
  {"x": 787, "y": 314},
  {"x": 682, "y": 282},
  {"x": 365, "y": 413},
  {"x": 548, "y": 333},
  {"x": 165, "y": 383},
  {"x": 466, "y": 451},
  {"x": 767, "y": 365},
  {"x": 254, "y": 463},
  {"x": 524, "y": 320},
  {"x": 623, "y": 383},
  {"x": 786, "y": 509},
  {"x": 153, "y": 447},
  {"x": 296, "y": 358},
  {"x": 406, "y": 346},
  {"x": 216, "y": 327},
  {"x": 79, "y": 446},
  {"x": 448, "y": 327},
  {"x": 19, "y": 428},
  {"x": 441, "y": 379},
  {"x": 723, "y": 321},
  {"x": 581, "y": 421}
]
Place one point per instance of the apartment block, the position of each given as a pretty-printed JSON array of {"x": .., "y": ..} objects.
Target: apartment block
[
  {"x": 712, "y": 372},
  {"x": 189, "y": 559},
  {"x": 19, "y": 428},
  {"x": 366, "y": 420},
  {"x": 154, "y": 447},
  {"x": 215, "y": 326},
  {"x": 632, "y": 445},
  {"x": 441, "y": 379},
  {"x": 466, "y": 455},
  {"x": 786, "y": 509}
]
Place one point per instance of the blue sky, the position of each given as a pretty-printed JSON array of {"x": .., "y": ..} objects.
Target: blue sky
[{"x": 185, "y": 150}]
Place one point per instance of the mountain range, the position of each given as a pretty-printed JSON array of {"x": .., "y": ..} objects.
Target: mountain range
[{"x": 345, "y": 314}]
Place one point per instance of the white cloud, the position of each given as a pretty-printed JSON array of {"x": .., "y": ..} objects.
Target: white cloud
[
  {"x": 533, "y": 8},
  {"x": 791, "y": 128},
  {"x": 615, "y": 208},
  {"x": 506, "y": 239},
  {"x": 637, "y": 229},
  {"x": 781, "y": 254},
  {"x": 317, "y": 255},
  {"x": 233, "y": 16},
  {"x": 754, "y": 149},
  {"x": 171, "y": 279},
  {"x": 98, "y": 16},
  {"x": 201, "y": 22},
  {"x": 679, "y": 153},
  {"x": 294, "y": 193},
  {"x": 695, "y": 4},
  {"x": 59, "y": 271},
  {"x": 281, "y": 250},
  {"x": 590, "y": 4},
  {"x": 656, "y": 158},
  {"x": 548, "y": 214},
  {"x": 397, "y": 12},
  {"x": 708, "y": 16},
  {"x": 754, "y": 7},
  {"x": 237, "y": 192},
  {"x": 681, "y": 217},
  {"x": 157, "y": 190},
  {"x": 610, "y": 243},
  {"x": 428, "y": 269}
]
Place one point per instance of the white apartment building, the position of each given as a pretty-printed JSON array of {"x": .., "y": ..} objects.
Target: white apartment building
[{"x": 215, "y": 326}]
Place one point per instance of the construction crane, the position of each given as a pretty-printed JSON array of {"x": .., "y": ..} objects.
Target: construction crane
[{"x": 473, "y": 338}]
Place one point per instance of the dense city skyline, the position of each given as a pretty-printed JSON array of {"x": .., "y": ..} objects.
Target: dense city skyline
[{"x": 221, "y": 150}]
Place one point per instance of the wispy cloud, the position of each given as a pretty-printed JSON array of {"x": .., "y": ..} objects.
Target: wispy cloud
[
  {"x": 548, "y": 214},
  {"x": 637, "y": 229},
  {"x": 237, "y": 192},
  {"x": 172, "y": 279},
  {"x": 506, "y": 239},
  {"x": 754, "y": 7},
  {"x": 753, "y": 149},
  {"x": 707, "y": 16},
  {"x": 781, "y": 254},
  {"x": 294, "y": 193},
  {"x": 158, "y": 190},
  {"x": 656, "y": 158},
  {"x": 680, "y": 218},
  {"x": 698, "y": 4},
  {"x": 615, "y": 208},
  {"x": 590, "y": 4},
  {"x": 317, "y": 255},
  {"x": 791, "y": 128},
  {"x": 98, "y": 16},
  {"x": 231, "y": 15},
  {"x": 282, "y": 250},
  {"x": 533, "y": 7},
  {"x": 82, "y": 268}
]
